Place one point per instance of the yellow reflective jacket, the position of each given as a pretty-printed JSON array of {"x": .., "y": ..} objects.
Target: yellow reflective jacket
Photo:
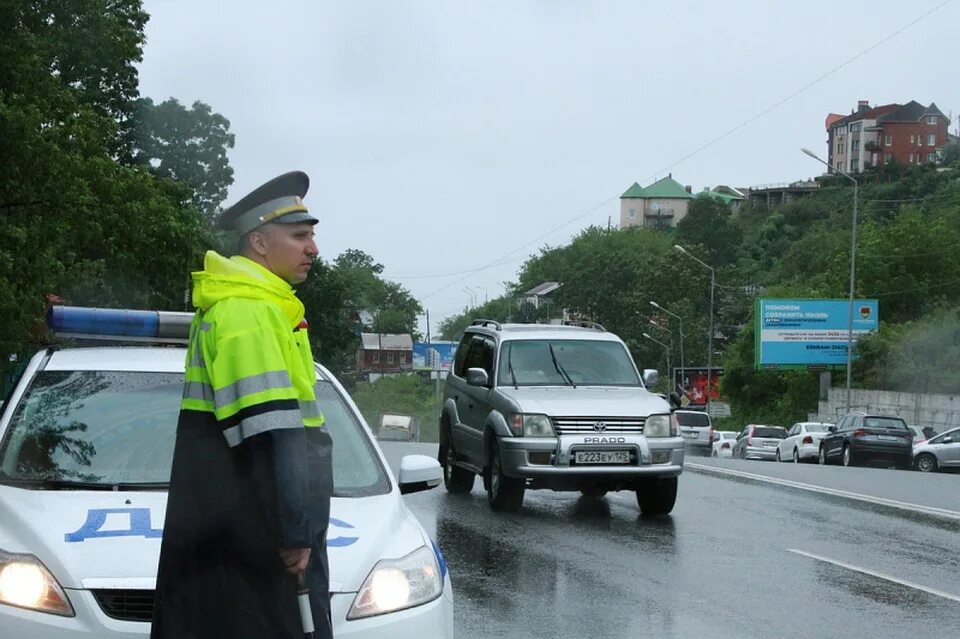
[{"x": 249, "y": 361}]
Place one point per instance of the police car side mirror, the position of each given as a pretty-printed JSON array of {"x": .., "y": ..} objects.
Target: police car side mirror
[{"x": 419, "y": 472}]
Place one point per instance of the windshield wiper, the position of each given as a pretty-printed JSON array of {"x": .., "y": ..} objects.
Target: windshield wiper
[
  {"x": 513, "y": 375},
  {"x": 66, "y": 484},
  {"x": 559, "y": 368}
]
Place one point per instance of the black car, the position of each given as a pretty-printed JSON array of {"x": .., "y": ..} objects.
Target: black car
[{"x": 859, "y": 439}]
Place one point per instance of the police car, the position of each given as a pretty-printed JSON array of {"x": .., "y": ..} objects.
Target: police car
[{"x": 86, "y": 443}]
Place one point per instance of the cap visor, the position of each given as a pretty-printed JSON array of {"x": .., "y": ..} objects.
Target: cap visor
[{"x": 295, "y": 218}]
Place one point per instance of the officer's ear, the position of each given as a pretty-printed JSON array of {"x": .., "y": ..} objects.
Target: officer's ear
[{"x": 255, "y": 242}]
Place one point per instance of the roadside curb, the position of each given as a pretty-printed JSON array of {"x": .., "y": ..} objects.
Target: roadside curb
[{"x": 915, "y": 509}]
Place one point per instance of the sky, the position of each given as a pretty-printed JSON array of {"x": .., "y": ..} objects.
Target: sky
[{"x": 451, "y": 140}]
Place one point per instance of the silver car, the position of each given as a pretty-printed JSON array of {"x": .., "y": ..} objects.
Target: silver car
[
  {"x": 802, "y": 442},
  {"x": 759, "y": 442},
  {"x": 557, "y": 407},
  {"x": 938, "y": 453}
]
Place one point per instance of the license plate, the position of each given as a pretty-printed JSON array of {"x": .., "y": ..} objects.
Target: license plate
[
  {"x": 691, "y": 435},
  {"x": 601, "y": 457},
  {"x": 890, "y": 438},
  {"x": 769, "y": 444}
]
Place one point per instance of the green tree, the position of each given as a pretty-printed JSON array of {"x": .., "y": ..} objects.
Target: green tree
[
  {"x": 188, "y": 145},
  {"x": 709, "y": 224}
]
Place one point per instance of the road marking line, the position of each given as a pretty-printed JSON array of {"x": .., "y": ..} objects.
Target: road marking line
[
  {"x": 878, "y": 575},
  {"x": 834, "y": 492}
]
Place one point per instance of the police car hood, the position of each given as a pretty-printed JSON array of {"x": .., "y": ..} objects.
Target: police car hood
[
  {"x": 586, "y": 401},
  {"x": 94, "y": 539}
]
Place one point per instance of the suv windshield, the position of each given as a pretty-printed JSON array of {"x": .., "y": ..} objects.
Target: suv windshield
[
  {"x": 118, "y": 428},
  {"x": 693, "y": 419},
  {"x": 884, "y": 422},
  {"x": 768, "y": 431},
  {"x": 559, "y": 362}
]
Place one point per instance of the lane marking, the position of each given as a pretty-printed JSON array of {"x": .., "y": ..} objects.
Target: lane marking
[
  {"x": 878, "y": 575},
  {"x": 834, "y": 492}
]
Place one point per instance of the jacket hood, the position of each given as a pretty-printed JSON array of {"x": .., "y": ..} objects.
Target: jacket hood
[{"x": 223, "y": 278}]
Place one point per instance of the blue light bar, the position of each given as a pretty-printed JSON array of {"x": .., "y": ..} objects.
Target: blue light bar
[{"x": 119, "y": 324}]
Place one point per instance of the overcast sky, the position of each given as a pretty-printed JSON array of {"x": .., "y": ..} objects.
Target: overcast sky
[{"x": 444, "y": 136}]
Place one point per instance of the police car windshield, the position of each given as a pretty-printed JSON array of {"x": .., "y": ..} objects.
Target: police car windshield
[
  {"x": 551, "y": 362},
  {"x": 89, "y": 429}
]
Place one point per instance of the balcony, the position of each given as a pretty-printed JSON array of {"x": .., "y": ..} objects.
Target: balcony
[{"x": 657, "y": 213}]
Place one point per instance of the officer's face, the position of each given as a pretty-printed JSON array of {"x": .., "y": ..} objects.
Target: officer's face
[{"x": 288, "y": 250}]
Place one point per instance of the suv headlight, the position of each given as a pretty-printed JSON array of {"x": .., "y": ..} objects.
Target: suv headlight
[
  {"x": 531, "y": 425},
  {"x": 26, "y": 583},
  {"x": 665, "y": 425},
  {"x": 397, "y": 584}
]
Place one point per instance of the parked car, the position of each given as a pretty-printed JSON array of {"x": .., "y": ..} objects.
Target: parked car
[
  {"x": 802, "y": 442},
  {"x": 758, "y": 441},
  {"x": 86, "y": 444},
  {"x": 402, "y": 428},
  {"x": 859, "y": 438},
  {"x": 921, "y": 435},
  {"x": 697, "y": 431},
  {"x": 938, "y": 453},
  {"x": 556, "y": 407},
  {"x": 723, "y": 441}
]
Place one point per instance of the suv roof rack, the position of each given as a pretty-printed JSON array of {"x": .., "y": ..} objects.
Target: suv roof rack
[
  {"x": 485, "y": 322},
  {"x": 585, "y": 324}
]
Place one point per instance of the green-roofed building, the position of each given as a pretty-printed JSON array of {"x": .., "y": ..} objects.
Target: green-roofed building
[
  {"x": 728, "y": 195},
  {"x": 661, "y": 205}
]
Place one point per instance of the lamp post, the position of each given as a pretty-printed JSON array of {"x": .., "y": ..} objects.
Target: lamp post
[
  {"x": 679, "y": 319},
  {"x": 713, "y": 279},
  {"x": 666, "y": 348},
  {"x": 853, "y": 265},
  {"x": 473, "y": 296}
]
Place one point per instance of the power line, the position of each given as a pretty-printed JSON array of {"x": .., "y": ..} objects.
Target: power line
[{"x": 704, "y": 147}]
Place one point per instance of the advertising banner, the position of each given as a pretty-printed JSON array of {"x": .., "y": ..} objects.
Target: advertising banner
[
  {"x": 434, "y": 356},
  {"x": 798, "y": 333},
  {"x": 691, "y": 385}
]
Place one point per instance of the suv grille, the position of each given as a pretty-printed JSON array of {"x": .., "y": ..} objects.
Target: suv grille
[
  {"x": 125, "y": 604},
  {"x": 594, "y": 425}
]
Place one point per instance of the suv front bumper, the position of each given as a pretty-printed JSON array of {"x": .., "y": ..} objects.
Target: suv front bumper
[{"x": 517, "y": 455}]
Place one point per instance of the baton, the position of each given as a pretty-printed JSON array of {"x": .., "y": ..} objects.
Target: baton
[{"x": 303, "y": 599}]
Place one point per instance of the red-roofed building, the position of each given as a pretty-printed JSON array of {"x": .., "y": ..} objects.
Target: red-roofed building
[{"x": 908, "y": 133}]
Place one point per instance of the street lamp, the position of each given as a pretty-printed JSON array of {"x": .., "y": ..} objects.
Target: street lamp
[
  {"x": 679, "y": 319},
  {"x": 473, "y": 296},
  {"x": 665, "y": 347},
  {"x": 710, "y": 337},
  {"x": 853, "y": 266}
]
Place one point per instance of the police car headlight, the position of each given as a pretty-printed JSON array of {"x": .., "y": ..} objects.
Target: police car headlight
[
  {"x": 661, "y": 426},
  {"x": 397, "y": 584},
  {"x": 26, "y": 583},
  {"x": 531, "y": 425}
]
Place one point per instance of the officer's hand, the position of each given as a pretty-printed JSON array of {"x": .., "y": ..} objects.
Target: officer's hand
[{"x": 295, "y": 559}]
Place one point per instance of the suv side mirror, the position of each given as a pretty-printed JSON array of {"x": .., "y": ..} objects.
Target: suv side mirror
[
  {"x": 650, "y": 377},
  {"x": 674, "y": 400},
  {"x": 477, "y": 377}
]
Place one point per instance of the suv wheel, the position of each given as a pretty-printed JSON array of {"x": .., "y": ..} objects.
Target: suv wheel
[
  {"x": 457, "y": 480},
  {"x": 847, "y": 458},
  {"x": 657, "y": 496},
  {"x": 504, "y": 493}
]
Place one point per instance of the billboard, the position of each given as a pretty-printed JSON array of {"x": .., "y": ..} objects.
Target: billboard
[
  {"x": 805, "y": 333},
  {"x": 434, "y": 356},
  {"x": 691, "y": 385}
]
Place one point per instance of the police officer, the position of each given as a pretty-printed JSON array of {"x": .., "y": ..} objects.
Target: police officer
[{"x": 251, "y": 480}]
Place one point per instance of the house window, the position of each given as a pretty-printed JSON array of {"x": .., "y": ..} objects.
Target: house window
[
  {"x": 931, "y": 139},
  {"x": 932, "y": 119},
  {"x": 913, "y": 139},
  {"x": 839, "y": 166},
  {"x": 855, "y": 165},
  {"x": 389, "y": 358},
  {"x": 632, "y": 214},
  {"x": 856, "y": 127},
  {"x": 887, "y": 139},
  {"x": 931, "y": 157},
  {"x": 911, "y": 158},
  {"x": 376, "y": 357},
  {"x": 888, "y": 158},
  {"x": 403, "y": 358},
  {"x": 855, "y": 146}
]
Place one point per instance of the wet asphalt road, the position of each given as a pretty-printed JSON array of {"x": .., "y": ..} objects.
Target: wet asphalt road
[{"x": 722, "y": 565}]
